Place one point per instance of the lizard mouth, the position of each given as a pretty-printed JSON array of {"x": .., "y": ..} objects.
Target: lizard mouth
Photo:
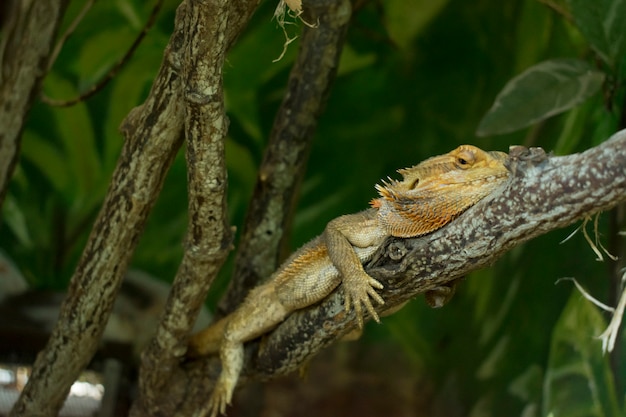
[
  {"x": 391, "y": 189},
  {"x": 495, "y": 176}
]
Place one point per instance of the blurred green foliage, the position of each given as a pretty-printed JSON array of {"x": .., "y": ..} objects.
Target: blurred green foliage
[{"x": 417, "y": 78}]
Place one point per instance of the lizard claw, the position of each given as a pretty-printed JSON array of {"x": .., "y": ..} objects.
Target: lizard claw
[
  {"x": 220, "y": 398},
  {"x": 358, "y": 292}
]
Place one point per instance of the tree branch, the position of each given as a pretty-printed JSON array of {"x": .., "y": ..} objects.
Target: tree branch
[
  {"x": 284, "y": 163},
  {"x": 544, "y": 193},
  {"x": 25, "y": 49},
  {"x": 153, "y": 134},
  {"x": 209, "y": 238},
  {"x": 209, "y": 28}
]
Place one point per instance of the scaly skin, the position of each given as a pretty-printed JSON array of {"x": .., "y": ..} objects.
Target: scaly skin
[{"x": 430, "y": 195}]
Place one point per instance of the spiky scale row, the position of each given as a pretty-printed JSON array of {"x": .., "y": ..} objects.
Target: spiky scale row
[{"x": 436, "y": 191}]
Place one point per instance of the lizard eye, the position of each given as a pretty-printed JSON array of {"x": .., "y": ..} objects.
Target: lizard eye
[
  {"x": 465, "y": 160},
  {"x": 414, "y": 184}
]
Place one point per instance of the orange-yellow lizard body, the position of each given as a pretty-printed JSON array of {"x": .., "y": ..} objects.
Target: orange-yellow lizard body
[{"x": 429, "y": 196}]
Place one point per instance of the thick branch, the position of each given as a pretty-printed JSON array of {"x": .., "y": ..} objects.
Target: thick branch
[
  {"x": 209, "y": 28},
  {"x": 209, "y": 237},
  {"x": 153, "y": 134},
  {"x": 25, "y": 48},
  {"x": 284, "y": 162},
  {"x": 543, "y": 194}
]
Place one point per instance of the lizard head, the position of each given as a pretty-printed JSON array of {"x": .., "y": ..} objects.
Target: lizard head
[{"x": 437, "y": 190}]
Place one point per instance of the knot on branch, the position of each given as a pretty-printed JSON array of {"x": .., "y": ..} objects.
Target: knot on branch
[{"x": 522, "y": 158}]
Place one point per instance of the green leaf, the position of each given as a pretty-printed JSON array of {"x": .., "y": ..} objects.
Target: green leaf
[
  {"x": 15, "y": 219},
  {"x": 352, "y": 60},
  {"x": 76, "y": 131},
  {"x": 603, "y": 24},
  {"x": 49, "y": 160},
  {"x": 100, "y": 53},
  {"x": 244, "y": 82},
  {"x": 573, "y": 129},
  {"x": 404, "y": 24},
  {"x": 578, "y": 379},
  {"x": 548, "y": 88},
  {"x": 527, "y": 385}
]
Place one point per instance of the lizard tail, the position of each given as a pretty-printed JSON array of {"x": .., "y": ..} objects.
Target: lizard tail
[{"x": 207, "y": 341}]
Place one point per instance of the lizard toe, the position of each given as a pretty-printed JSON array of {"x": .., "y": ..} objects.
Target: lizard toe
[
  {"x": 359, "y": 293},
  {"x": 371, "y": 311},
  {"x": 359, "y": 314},
  {"x": 375, "y": 296},
  {"x": 220, "y": 398},
  {"x": 374, "y": 283}
]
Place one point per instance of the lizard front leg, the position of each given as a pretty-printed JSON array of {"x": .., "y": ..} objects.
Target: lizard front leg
[{"x": 341, "y": 237}]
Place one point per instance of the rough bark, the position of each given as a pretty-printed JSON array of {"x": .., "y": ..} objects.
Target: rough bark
[
  {"x": 544, "y": 193},
  {"x": 153, "y": 134},
  {"x": 210, "y": 28},
  {"x": 284, "y": 162},
  {"x": 209, "y": 238},
  {"x": 186, "y": 99},
  {"x": 27, "y": 38}
]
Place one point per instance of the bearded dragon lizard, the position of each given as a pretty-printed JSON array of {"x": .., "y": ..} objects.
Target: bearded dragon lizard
[{"x": 430, "y": 195}]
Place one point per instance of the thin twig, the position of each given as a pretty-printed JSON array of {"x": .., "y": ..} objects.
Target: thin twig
[
  {"x": 587, "y": 295},
  {"x": 68, "y": 32},
  {"x": 594, "y": 248},
  {"x": 609, "y": 336},
  {"x": 596, "y": 233},
  {"x": 113, "y": 71}
]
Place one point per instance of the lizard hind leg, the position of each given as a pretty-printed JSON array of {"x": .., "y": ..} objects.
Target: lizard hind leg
[
  {"x": 231, "y": 355},
  {"x": 207, "y": 341},
  {"x": 260, "y": 312}
]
